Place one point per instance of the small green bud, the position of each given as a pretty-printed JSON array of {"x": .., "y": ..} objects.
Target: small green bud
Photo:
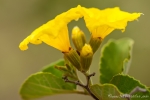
[
  {"x": 73, "y": 58},
  {"x": 78, "y": 38},
  {"x": 86, "y": 56},
  {"x": 66, "y": 72},
  {"x": 95, "y": 43},
  {"x": 62, "y": 68},
  {"x": 68, "y": 64}
]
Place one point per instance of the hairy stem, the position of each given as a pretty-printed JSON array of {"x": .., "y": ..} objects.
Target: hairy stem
[{"x": 86, "y": 87}]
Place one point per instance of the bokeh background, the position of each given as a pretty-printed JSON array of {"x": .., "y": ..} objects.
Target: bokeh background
[{"x": 18, "y": 18}]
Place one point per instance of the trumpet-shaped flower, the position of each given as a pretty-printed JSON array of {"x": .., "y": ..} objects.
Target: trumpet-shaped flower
[
  {"x": 102, "y": 22},
  {"x": 54, "y": 32},
  {"x": 45, "y": 33}
]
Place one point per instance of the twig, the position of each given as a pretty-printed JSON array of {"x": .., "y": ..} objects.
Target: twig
[
  {"x": 135, "y": 90},
  {"x": 82, "y": 85}
]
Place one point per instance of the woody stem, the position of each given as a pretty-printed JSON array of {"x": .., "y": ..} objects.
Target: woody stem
[{"x": 86, "y": 87}]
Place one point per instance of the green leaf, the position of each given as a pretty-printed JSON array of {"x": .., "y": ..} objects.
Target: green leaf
[
  {"x": 44, "y": 84},
  {"x": 51, "y": 68},
  {"x": 116, "y": 56},
  {"x": 106, "y": 92},
  {"x": 126, "y": 84}
]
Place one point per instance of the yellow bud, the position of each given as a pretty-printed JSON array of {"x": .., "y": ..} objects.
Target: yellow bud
[
  {"x": 78, "y": 38},
  {"x": 95, "y": 43},
  {"x": 86, "y": 56},
  {"x": 73, "y": 57}
]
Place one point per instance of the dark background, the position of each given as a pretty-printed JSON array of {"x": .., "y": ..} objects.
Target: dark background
[{"x": 18, "y": 18}]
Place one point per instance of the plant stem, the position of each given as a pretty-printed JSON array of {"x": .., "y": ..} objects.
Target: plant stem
[
  {"x": 86, "y": 87},
  {"x": 135, "y": 90}
]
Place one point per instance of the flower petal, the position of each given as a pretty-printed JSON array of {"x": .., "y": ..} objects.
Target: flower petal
[
  {"x": 111, "y": 18},
  {"x": 61, "y": 42},
  {"x": 54, "y": 32}
]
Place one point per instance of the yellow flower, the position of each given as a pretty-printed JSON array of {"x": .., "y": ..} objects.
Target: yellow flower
[
  {"x": 54, "y": 32},
  {"x": 102, "y": 22},
  {"x": 99, "y": 22},
  {"x": 45, "y": 33}
]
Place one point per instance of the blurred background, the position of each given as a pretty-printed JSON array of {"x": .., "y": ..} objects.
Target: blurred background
[{"x": 18, "y": 18}]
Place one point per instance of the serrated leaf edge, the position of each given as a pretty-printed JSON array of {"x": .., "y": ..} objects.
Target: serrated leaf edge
[{"x": 133, "y": 79}]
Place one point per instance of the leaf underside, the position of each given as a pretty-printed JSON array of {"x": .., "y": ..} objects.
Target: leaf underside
[
  {"x": 115, "y": 58},
  {"x": 43, "y": 84},
  {"x": 126, "y": 84},
  {"x": 106, "y": 92}
]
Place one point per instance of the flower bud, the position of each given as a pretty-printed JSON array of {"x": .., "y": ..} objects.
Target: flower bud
[
  {"x": 62, "y": 68},
  {"x": 95, "y": 43},
  {"x": 86, "y": 56},
  {"x": 78, "y": 38},
  {"x": 73, "y": 58}
]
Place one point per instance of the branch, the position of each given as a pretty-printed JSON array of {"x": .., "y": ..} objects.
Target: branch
[{"x": 86, "y": 87}]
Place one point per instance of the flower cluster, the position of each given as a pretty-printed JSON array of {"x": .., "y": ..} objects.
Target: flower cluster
[{"x": 99, "y": 22}]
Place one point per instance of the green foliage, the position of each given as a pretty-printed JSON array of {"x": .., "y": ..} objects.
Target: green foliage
[
  {"x": 115, "y": 58},
  {"x": 47, "y": 82},
  {"x": 115, "y": 84},
  {"x": 51, "y": 68},
  {"x": 126, "y": 84},
  {"x": 106, "y": 92},
  {"x": 43, "y": 84}
]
